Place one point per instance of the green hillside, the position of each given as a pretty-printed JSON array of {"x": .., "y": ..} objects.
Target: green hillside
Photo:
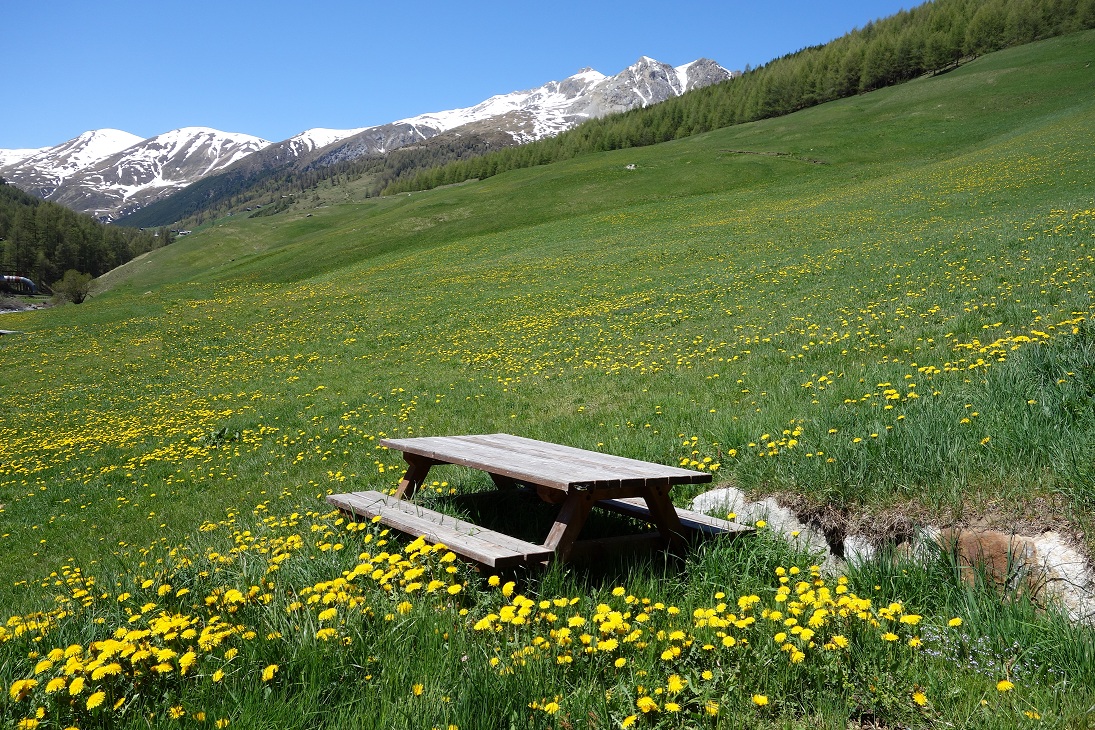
[{"x": 879, "y": 305}]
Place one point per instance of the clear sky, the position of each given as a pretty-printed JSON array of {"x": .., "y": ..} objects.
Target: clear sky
[{"x": 276, "y": 68}]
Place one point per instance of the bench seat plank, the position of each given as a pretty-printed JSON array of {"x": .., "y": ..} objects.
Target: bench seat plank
[
  {"x": 691, "y": 520},
  {"x": 487, "y": 547}
]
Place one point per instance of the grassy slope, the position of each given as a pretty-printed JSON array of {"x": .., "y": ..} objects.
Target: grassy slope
[{"x": 688, "y": 309}]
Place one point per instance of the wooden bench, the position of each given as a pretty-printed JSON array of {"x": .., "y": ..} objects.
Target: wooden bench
[
  {"x": 690, "y": 520},
  {"x": 576, "y": 479},
  {"x": 486, "y": 547}
]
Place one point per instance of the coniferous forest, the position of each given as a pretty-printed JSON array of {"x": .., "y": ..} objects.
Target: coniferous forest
[
  {"x": 42, "y": 240},
  {"x": 932, "y": 38}
]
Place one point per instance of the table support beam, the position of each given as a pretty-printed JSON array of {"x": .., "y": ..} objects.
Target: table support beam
[
  {"x": 417, "y": 469},
  {"x": 569, "y": 524}
]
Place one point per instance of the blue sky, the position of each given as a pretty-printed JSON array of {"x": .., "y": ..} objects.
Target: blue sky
[{"x": 276, "y": 68}]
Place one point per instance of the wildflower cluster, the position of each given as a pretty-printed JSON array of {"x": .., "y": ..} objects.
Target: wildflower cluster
[{"x": 740, "y": 652}]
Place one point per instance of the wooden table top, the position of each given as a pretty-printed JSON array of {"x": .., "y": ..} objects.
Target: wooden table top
[{"x": 543, "y": 463}]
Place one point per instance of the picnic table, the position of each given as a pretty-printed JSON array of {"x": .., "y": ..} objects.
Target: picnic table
[{"x": 576, "y": 479}]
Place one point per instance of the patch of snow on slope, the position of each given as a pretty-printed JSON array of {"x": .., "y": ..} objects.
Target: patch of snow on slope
[
  {"x": 80, "y": 152},
  {"x": 313, "y": 139},
  {"x": 682, "y": 76},
  {"x": 547, "y": 104},
  {"x": 10, "y": 157}
]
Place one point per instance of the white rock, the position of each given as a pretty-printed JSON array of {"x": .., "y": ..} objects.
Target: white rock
[{"x": 858, "y": 549}]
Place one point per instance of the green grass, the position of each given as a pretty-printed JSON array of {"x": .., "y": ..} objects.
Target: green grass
[{"x": 904, "y": 327}]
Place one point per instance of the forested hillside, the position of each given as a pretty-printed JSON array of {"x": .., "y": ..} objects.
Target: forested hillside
[
  {"x": 42, "y": 240},
  {"x": 931, "y": 38}
]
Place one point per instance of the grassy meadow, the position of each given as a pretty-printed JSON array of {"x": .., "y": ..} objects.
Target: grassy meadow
[{"x": 878, "y": 307}]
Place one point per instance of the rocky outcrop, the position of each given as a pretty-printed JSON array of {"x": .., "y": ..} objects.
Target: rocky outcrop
[{"x": 1046, "y": 566}]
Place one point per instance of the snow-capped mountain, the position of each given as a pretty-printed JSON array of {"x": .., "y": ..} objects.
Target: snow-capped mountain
[
  {"x": 110, "y": 173},
  {"x": 526, "y": 116},
  {"x": 560, "y": 105},
  {"x": 44, "y": 170}
]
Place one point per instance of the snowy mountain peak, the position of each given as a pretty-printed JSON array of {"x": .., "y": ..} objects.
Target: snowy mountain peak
[
  {"x": 110, "y": 173},
  {"x": 50, "y": 166}
]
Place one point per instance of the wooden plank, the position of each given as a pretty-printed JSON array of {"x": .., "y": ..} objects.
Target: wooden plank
[
  {"x": 618, "y": 464},
  {"x": 484, "y": 546},
  {"x": 386, "y": 503},
  {"x": 690, "y": 520},
  {"x": 594, "y": 460},
  {"x": 543, "y": 463},
  {"x": 520, "y": 467}
]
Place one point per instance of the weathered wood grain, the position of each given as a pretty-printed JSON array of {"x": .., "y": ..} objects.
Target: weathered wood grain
[
  {"x": 690, "y": 520},
  {"x": 487, "y": 547}
]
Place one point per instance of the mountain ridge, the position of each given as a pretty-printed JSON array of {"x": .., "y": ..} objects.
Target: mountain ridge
[{"x": 111, "y": 173}]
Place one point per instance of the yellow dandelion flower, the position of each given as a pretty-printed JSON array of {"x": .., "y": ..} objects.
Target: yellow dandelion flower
[
  {"x": 760, "y": 700},
  {"x": 187, "y": 660},
  {"x": 1004, "y": 685},
  {"x": 95, "y": 700},
  {"x": 628, "y": 721},
  {"x": 417, "y": 690},
  {"x": 711, "y": 708},
  {"x": 76, "y": 687},
  {"x": 956, "y": 621},
  {"x": 269, "y": 672},
  {"x": 920, "y": 698},
  {"x": 20, "y": 688}
]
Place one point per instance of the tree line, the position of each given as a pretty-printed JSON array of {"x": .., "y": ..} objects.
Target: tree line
[
  {"x": 929, "y": 39},
  {"x": 42, "y": 240}
]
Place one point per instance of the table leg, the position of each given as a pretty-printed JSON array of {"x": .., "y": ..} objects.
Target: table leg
[
  {"x": 569, "y": 523},
  {"x": 665, "y": 518},
  {"x": 417, "y": 469}
]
